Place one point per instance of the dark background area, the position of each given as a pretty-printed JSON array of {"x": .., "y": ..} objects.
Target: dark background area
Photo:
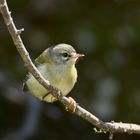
[{"x": 107, "y": 32}]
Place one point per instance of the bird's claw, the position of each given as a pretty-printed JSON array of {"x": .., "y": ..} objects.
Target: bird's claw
[{"x": 72, "y": 105}]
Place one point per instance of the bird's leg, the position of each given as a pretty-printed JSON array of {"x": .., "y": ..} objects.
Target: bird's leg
[
  {"x": 44, "y": 96},
  {"x": 72, "y": 104}
]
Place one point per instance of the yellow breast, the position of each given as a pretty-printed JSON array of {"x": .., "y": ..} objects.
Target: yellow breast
[{"x": 63, "y": 79}]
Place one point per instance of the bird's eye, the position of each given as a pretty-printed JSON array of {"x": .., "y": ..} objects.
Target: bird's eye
[{"x": 65, "y": 55}]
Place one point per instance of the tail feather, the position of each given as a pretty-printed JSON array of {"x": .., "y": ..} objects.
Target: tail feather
[{"x": 25, "y": 88}]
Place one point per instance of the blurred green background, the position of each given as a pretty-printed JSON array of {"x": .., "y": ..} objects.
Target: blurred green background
[{"x": 107, "y": 32}]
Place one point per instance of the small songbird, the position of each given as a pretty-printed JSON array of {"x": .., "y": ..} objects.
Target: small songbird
[{"x": 57, "y": 64}]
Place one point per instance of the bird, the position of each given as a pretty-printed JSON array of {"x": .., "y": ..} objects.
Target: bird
[{"x": 57, "y": 65}]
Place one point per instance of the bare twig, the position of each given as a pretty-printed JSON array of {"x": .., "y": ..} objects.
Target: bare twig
[{"x": 111, "y": 127}]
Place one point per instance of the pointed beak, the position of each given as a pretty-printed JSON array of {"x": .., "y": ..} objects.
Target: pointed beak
[{"x": 76, "y": 56}]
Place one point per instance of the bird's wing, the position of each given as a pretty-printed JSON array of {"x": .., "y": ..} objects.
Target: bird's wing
[{"x": 40, "y": 60}]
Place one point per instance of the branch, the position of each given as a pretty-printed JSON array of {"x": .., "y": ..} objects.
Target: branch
[{"x": 111, "y": 127}]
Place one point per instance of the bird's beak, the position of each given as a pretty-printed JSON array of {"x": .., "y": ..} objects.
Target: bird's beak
[{"x": 76, "y": 56}]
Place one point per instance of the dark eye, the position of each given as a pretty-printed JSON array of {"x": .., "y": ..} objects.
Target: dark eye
[{"x": 65, "y": 55}]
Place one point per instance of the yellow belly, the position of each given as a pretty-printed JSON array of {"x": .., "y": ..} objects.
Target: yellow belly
[{"x": 63, "y": 81}]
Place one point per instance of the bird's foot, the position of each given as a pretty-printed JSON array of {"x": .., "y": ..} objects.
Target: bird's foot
[{"x": 72, "y": 105}]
